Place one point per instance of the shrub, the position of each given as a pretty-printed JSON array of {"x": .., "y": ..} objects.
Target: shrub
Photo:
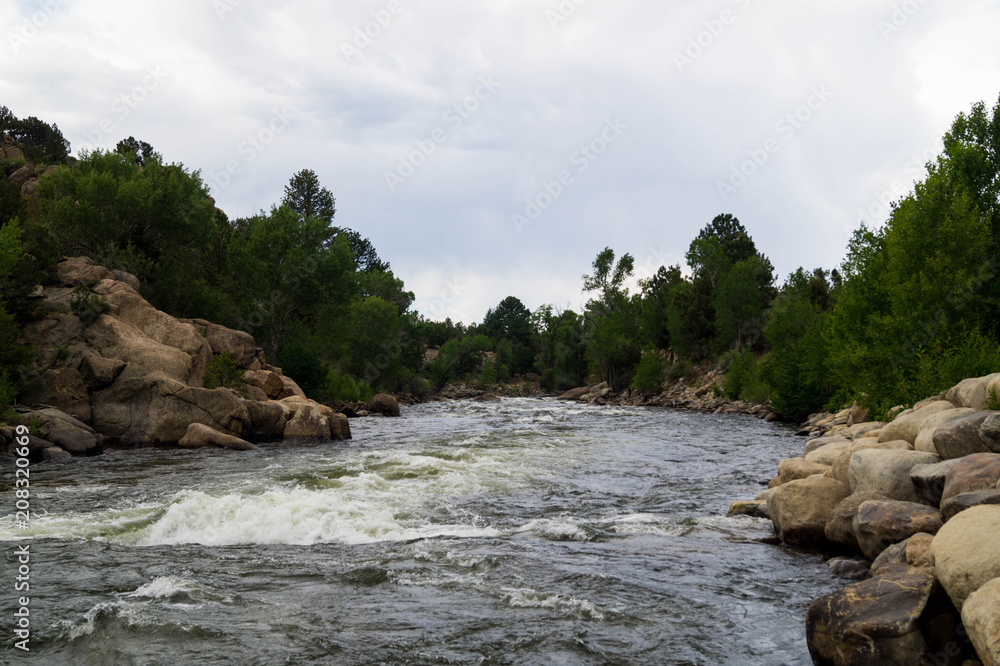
[
  {"x": 681, "y": 370},
  {"x": 342, "y": 387},
  {"x": 8, "y": 395},
  {"x": 488, "y": 375},
  {"x": 87, "y": 305},
  {"x": 223, "y": 373},
  {"x": 743, "y": 381},
  {"x": 649, "y": 374}
]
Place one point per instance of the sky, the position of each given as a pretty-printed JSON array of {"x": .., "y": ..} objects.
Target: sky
[{"x": 494, "y": 148}]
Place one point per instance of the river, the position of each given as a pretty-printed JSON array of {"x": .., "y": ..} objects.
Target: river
[{"x": 521, "y": 532}]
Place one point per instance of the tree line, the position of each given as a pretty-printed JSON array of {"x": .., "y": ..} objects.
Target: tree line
[{"x": 913, "y": 308}]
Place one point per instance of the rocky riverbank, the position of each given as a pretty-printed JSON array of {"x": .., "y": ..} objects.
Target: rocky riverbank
[
  {"x": 117, "y": 371},
  {"x": 911, "y": 508}
]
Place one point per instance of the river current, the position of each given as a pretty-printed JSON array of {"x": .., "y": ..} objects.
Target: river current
[{"x": 520, "y": 532}]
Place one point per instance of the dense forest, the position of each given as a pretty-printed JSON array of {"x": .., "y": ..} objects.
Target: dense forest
[{"x": 914, "y": 308}]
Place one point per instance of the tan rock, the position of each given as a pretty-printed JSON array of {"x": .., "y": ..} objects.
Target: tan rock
[
  {"x": 268, "y": 419},
  {"x": 98, "y": 372},
  {"x": 309, "y": 423},
  {"x": 963, "y": 501},
  {"x": 64, "y": 431},
  {"x": 908, "y": 426},
  {"x": 918, "y": 550},
  {"x": 113, "y": 338},
  {"x": 23, "y": 175},
  {"x": 840, "y": 525},
  {"x": 62, "y": 388},
  {"x": 880, "y": 523},
  {"x": 238, "y": 344},
  {"x": 290, "y": 388},
  {"x": 199, "y": 435},
  {"x": 752, "y": 508},
  {"x": 842, "y": 465},
  {"x": 972, "y": 392},
  {"x": 976, "y": 472},
  {"x": 800, "y": 509},
  {"x": 791, "y": 469},
  {"x": 860, "y": 430},
  {"x": 81, "y": 271},
  {"x": 967, "y": 552},
  {"x": 961, "y": 437},
  {"x": 827, "y": 455},
  {"x": 384, "y": 404},
  {"x": 887, "y": 472},
  {"x": 981, "y": 617},
  {"x": 925, "y": 438},
  {"x": 340, "y": 427}
]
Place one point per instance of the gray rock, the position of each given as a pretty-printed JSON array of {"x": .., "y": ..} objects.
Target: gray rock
[
  {"x": 959, "y": 503},
  {"x": 879, "y": 524},
  {"x": 928, "y": 481},
  {"x": 961, "y": 437},
  {"x": 887, "y": 472}
]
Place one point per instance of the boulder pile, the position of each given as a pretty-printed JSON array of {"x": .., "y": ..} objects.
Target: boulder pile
[
  {"x": 117, "y": 370},
  {"x": 916, "y": 502}
]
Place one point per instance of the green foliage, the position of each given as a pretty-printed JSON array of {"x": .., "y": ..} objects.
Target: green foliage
[
  {"x": 992, "y": 400},
  {"x": 342, "y": 387},
  {"x": 457, "y": 358},
  {"x": 222, "y": 372},
  {"x": 8, "y": 397},
  {"x": 743, "y": 380},
  {"x": 140, "y": 151},
  {"x": 488, "y": 374},
  {"x": 308, "y": 198},
  {"x": 510, "y": 320},
  {"x": 682, "y": 369},
  {"x": 39, "y": 138},
  {"x": 304, "y": 363},
  {"x": 87, "y": 305},
  {"x": 613, "y": 327},
  {"x": 650, "y": 373}
]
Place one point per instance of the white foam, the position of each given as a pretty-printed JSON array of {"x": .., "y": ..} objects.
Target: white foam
[
  {"x": 166, "y": 587},
  {"x": 525, "y": 597},
  {"x": 565, "y": 529}
]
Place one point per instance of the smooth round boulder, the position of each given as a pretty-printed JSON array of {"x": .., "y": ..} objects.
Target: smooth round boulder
[
  {"x": 308, "y": 424},
  {"x": 842, "y": 465},
  {"x": 826, "y": 455},
  {"x": 877, "y": 621},
  {"x": 800, "y": 509},
  {"x": 879, "y": 523},
  {"x": 989, "y": 432},
  {"x": 384, "y": 404},
  {"x": 967, "y": 552},
  {"x": 792, "y": 469},
  {"x": 887, "y": 472},
  {"x": 976, "y": 472},
  {"x": 340, "y": 427},
  {"x": 907, "y": 426},
  {"x": 925, "y": 438},
  {"x": 981, "y": 617},
  {"x": 972, "y": 392}
]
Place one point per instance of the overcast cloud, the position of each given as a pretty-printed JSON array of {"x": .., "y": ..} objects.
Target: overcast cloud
[{"x": 443, "y": 128}]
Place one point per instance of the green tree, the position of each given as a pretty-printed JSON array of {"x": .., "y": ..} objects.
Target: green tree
[
  {"x": 139, "y": 150},
  {"x": 308, "y": 198},
  {"x": 613, "y": 332},
  {"x": 457, "y": 358},
  {"x": 656, "y": 306},
  {"x": 742, "y": 295}
]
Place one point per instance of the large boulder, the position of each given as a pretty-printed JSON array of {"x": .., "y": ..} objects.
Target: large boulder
[
  {"x": 879, "y": 621},
  {"x": 953, "y": 506},
  {"x": 971, "y": 392},
  {"x": 967, "y": 552},
  {"x": 976, "y": 472},
  {"x": 290, "y": 388},
  {"x": 78, "y": 271},
  {"x": 961, "y": 437},
  {"x": 340, "y": 427},
  {"x": 907, "y": 426},
  {"x": 928, "y": 480},
  {"x": 23, "y": 175},
  {"x": 880, "y": 523},
  {"x": 64, "y": 431},
  {"x": 97, "y": 371},
  {"x": 269, "y": 382},
  {"x": 887, "y": 472},
  {"x": 115, "y": 338},
  {"x": 199, "y": 435},
  {"x": 157, "y": 409},
  {"x": 981, "y": 617},
  {"x": 575, "y": 394},
  {"x": 308, "y": 424},
  {"x": 240, "y": 345},
  {"x": 384, "y": 404},
  {"x": 64, "y": 389},
  {"x": 840, "y": 525},
  {"x": 842, "y": 465},
  {"x": 827, "y": 455},
  {"x": 800, "y": 509},
  {"x": 792, "y": 469},
  {"x": 268, "y": 419},
  {"x": 823, "y": 442},
  {"x": 925, "y": 438}
]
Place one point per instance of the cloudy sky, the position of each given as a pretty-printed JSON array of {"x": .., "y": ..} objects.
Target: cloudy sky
[{"x": 493, "y": 148}]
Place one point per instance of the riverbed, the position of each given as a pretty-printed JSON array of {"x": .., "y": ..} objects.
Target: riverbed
[{"x": 521, "y": 532}]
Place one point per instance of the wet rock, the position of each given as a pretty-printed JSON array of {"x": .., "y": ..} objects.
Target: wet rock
[
  {"x": 877, "y": 621},
  {"x": 792, "y": 469},
  {"x": 340, "y": 428},
  {"x": 879, "y": 524},
  {"x": 961, "y": 437},
  {"x": 752, "y": 508},
  {"x": 928, "y": 481},
  {"x": 887, "y": 472},
  {"x": 976, "y": 472},
  {"x": 55, "y": 454},
  {"x": 384, "y": 404},
  {"x": 199, "y": 435},
  {"x": 840, "y": 525},
  {"x": 981, "y": 616},
  {"x": 850, "y": 568},
  {"x": 959, "y": 503},
  {"x": 800, "y": 509},
  {"x": 967, "y": 552}
]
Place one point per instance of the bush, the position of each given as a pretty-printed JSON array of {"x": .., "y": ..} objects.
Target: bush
[
  {"x": 87, "y": 305},
  {"x": 681, "y": 370},
  {"x": 8, "y": 396},
  {"x": 222, "y": 372},
  {"x": 649, "y": 374},
  {"x": 743, "y": 381},
  {"x": 342, "y": 387},
  {"x": 304, "y": 364},
  {"x": 488, "y": 375}
]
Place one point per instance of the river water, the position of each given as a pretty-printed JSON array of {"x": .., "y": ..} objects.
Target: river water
[{"x": 520, "y": 532}]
